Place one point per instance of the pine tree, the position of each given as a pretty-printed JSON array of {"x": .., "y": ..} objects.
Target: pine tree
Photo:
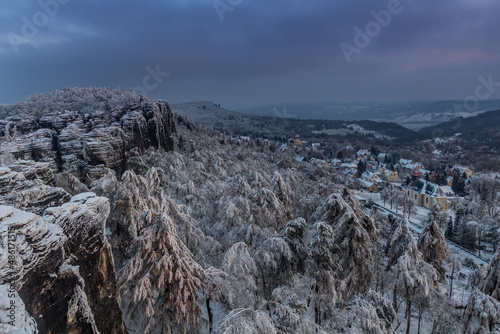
[
  {"x": 407, "y": 181},
  {"x": 491, "y": 285},
  {"x": 361, "y": 167},
  {"x": 274, "y": 263},
  {"x": 468, "y": 238},
  {"x": 241, "y": 268},
  {"x": 322, "y": 264},
  {"x": 160, "y": 285},
  {"x": 432, "y": 244},
  {"x": 412, "y": 276},
  {"x": 450, "y": 232}
]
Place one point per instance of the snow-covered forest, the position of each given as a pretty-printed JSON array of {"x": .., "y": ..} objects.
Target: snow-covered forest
[{"x": 188, "y": 230}]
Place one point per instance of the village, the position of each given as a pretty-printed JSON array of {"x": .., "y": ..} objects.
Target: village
[{"x": 376, "y": 172}]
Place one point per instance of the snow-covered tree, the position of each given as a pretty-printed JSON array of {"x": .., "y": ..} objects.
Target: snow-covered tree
[
  {"x": 411, "y": 275},
  {"x": 241, "y": 268},
  {"x": 274, "y": 263},
  {"x": 482, "y": 314},
  {"x": 281, "y": 189},
  {"x": 215, "y": 290},
  {"x": 246, "y": 321},
  {"x": 160, "y": 285},
  {"x": 491, "y": 284},
  {"x": 293, "y": 234},
  {"x": 289, "y": 313},
  {"x": 432, "y": 244},
  {"x": 455, "y": 266},
  {"x": 355, "y": 258},
  {"x": 367, "y": 313},
  {"x": 354, "y": 234},
  {"x": 322, "y": 265}
]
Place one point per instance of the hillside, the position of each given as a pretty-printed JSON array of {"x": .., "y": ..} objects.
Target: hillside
[
  {"x": 212, "y": 115},
  {"x": 486, "y": 123},
  {"x": 412, "y": 115}
]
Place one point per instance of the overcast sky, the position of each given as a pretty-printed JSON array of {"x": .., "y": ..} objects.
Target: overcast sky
[{"x": 251, "y": 52}]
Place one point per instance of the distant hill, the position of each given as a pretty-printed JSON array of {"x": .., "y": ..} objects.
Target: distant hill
[
  {"x": 488, "y": 122},
  {"x": 412, "y": 115},
  {"x": 207, "y": 113},
  {"x": 212, "y": 115}
]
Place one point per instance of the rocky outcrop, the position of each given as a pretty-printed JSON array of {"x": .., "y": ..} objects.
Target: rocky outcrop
[
  {"x": 25, "y": 190},
  {"x": 32, "y": 242},
  {"x": 82, "y": 144},
  {"x": 61, "y": 266},
  {"x": 69, "y": 183},
  {"x": 83, "y": 221}
]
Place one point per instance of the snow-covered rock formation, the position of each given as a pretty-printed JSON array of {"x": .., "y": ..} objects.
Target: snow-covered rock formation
[
  {"x": 61, "y": 266},
  {"x": 75, "y": 138}
]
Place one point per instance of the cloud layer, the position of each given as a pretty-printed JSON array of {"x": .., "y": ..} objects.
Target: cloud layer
[{"x": 262, "y": 52}]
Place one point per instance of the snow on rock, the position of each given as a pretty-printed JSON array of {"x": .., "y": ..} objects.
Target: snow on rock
[
  {"x": 31, "y": 242},
  {"x": 83, "y": 220},
  {"x": 79, "y": 313},
  {"x": 69, "y": 183},
  {"x": 34, "y": 170},
  {"x": 82, "y": 142},
  {"x": 25, "y": 189},
  {"x": 62, "y": 260}
]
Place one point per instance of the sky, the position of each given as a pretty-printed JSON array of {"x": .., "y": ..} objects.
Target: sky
[{"x": 244, "y": 53}]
